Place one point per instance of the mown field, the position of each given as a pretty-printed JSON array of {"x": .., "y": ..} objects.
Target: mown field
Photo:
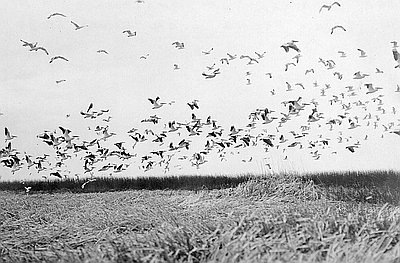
[{"x": 333, "y": 217}]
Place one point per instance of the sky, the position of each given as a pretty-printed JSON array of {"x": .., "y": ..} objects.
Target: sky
[{"x": 31, "y": 101}]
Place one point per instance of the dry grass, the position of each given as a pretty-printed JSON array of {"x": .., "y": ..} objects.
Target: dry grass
[{"x": 279, "y": 220}]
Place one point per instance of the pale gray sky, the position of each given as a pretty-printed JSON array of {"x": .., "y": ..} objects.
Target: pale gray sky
[{"x": 32, "y": 102}]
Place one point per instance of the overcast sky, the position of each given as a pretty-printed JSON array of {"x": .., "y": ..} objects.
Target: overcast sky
[{"x": 120, "y": 81}]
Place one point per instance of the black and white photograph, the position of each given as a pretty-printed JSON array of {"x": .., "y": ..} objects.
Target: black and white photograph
[{"x": 200, "y": 131}]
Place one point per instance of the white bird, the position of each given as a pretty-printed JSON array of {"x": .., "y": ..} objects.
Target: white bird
[
  {"x": 155, "y": 103},
  {"x": 342, "y": 54},
  {"x": 358, "y": 75},
  {"x": 9, "y": 137},
  {"x": 363, "y": 54},
  {"x": 371, "y": 89},
  {"x": 88, "y": 181}
]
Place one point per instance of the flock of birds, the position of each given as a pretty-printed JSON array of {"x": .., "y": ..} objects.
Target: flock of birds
[{"x": 295, "y": 125}]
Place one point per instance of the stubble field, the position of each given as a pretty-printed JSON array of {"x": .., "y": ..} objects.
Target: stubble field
[{"x": 268, "y": 219}]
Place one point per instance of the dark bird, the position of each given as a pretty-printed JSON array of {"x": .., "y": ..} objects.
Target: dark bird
[
  {"x": 328, "y": 6},
  {"x": 39, "y": 48},
  {"x": 207, "y": 52},
  {"x": 57, "y": 57},
  {"x": 55, "y": 14},
  {"x": 77, "y": 27},
  {"x": 129, "y": 33},
  {"x": 102, "y": 51},
  {"x": 337, "y": 27}
]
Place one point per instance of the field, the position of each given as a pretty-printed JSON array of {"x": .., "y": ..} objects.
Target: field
[{"x": 332, "y": 217}]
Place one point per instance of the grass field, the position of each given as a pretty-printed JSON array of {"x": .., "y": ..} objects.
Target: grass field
[{"x": 342, "y": 217}]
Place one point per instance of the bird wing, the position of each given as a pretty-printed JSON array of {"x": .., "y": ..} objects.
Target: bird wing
[
  {"x": 324, "y": 6},
  {"x": 75, "y": 24}
]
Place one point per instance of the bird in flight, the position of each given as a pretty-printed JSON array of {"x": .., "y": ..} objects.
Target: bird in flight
[
  {"x": 155, "y": 103},
  {"x": 102, "y": 51},
  {"x": 129, "y": 33},
  {"x": 337, "y": 27},
  {"x": 288, "y": 64},
  {"x": 291, "y": 45},
  {"x": 212, "y": 75},
  {"x": 39, "y": 48},
  {"x": 342, "y": 54},
  {"x": 9, "y": 137},
  {"x": 179, "y": 45},
  {"x": 61, "y": 80},
  {"x": 55, "y": 14},
  {"x": 328, "y": 6},
  {"x": 57, "y": 57},
  {"x": 77, "y": 27},
  {"x": 363, "y": 54},
  {"x": 27, "y": 44},
  {"x": 207, "y": 52}
]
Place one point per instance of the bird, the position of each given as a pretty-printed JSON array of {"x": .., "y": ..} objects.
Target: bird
[
  {"x": 358, "y": 75},
  {"x": 309, "y": 71},
  {"x": 61, "y": 80},
  {"x": 371, "y": 89},
  {"x": 363, "y": 54},
  {"x": 57, "y": 57},
  {"x": 155, "y": 103},
  {"x": 39, "y": 48},
  {"x": 56, "y": 174},
  {"x": 193, "y": 104},
  {"x": 288, "y": 64},
  {"x": 55, "y": 14},
  {"x": 328, "y": 6},
  {"x": 179, "y": 45},
  {"x": 88, "y": 181},
  {"x": 337, "y": 27},
  {"x": 176, "y": 67},
  {"x": 291, "y": 45},
  {"x": 351, "y": 148},
  {"x": 207, "y": 52},
  {"x": 102, "y": 51},
  {"x": 77, "y": 27},
  {"x": 269, "y": 74},
  {"x": 342, "y": 54},
  {"x": 9, "y": 137},
  {"x": 129, "y": 33},
  {"x": 27, "y": 189},
  {"x": 27, "y": 44}
]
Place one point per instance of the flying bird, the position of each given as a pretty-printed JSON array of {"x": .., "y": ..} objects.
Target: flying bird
[
  {"x": 57, "y": 57},
  {"x": 129, "y": 33},
  {"x": 363, "y": 54},
  {"x": 77, "y": 27},
  {"x": 328, "y": 6},
  {"x": 207, "y": 52},
  {"x": 39, "y": 48},
  {"x": 55, "y": 14},
  {"x": 337, "y": 27},
  {"x": 102, "y": 51},
  {"x": 9, "y": 137}
]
